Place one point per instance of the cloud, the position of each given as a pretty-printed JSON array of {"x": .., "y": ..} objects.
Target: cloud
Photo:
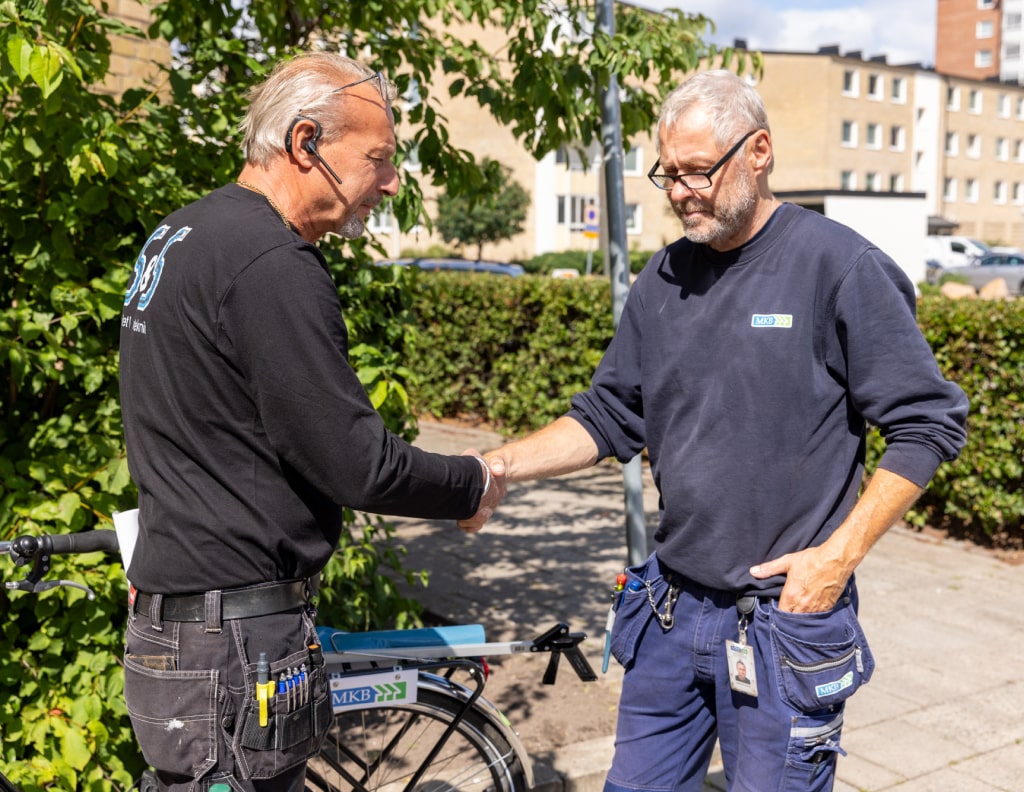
[{"x": 902, "y": 30}]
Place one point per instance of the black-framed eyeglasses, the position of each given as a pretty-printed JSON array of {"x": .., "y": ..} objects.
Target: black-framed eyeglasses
[
  {"x": 381, "y": 84},
  {"x": 693, "y": 181}
]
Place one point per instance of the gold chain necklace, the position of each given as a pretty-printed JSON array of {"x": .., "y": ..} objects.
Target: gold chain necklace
[{"x": 270, "y": 200}]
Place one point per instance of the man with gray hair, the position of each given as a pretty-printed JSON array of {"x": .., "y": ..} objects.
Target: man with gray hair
[
  {"x": 750, "y": 357},
  {"x": 248, "y": 434}
]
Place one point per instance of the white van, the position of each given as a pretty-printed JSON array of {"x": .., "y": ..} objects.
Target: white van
[{"x": 954, "y": 251}]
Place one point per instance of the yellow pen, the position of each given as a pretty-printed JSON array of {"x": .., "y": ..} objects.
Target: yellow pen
[{"x": 264, "y": 687}]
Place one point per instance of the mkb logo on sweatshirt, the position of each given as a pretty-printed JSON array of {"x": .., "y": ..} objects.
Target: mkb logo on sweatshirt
[{"x": 771, "y": 320}]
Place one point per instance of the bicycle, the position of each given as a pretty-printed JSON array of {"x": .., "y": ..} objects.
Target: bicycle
[{"x": 403, "y": 720}]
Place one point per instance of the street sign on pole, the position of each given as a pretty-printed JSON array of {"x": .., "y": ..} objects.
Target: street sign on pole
[{"x": 591, "y": 225}]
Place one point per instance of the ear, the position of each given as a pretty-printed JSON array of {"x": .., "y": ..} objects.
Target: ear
[
  {"x": 302, "y": 135},
  {"x": 762, "y": 151}
]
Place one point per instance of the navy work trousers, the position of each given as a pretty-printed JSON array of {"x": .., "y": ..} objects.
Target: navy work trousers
[{"x": 677, "y": 699}]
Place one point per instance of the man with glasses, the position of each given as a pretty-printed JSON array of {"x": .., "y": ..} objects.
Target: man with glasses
[
  {"x": 248, "y": 434},
  {"x": 750, "y": 356}
]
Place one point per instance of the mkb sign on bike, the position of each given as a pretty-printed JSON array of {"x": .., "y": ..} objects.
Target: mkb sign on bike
[{"x": 385, "y": 690}]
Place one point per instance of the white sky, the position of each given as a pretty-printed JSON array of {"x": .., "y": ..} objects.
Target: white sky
[{"x": 903, "y": 30}]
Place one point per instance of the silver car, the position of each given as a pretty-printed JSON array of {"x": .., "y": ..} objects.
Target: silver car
[{"x": 1008, "y": 266}]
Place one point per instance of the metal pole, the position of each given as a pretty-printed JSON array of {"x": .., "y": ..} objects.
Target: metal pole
[{"x": 615, "y": 209}]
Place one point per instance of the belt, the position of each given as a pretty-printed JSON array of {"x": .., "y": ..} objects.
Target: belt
[{"x": 239, "y": 603}]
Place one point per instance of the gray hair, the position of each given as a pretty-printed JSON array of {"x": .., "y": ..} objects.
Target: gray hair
[
  {"x": 304, "y": 86},
  {"x": 734, "y": 106}
]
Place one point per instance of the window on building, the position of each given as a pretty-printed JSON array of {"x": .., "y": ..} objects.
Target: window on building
[
  {"x": 983, "y": 59},
  {"x": 896, "y": 182},
  {"x": 1018, "y": 193},
  {"x": 971, "y": 191},
  {"x": 634, "y": 218},
  {"x": 875, "y": 89},
  {"x": 874, "y": 137},
  {"x": 1002, "y": 149},
  {"x": 847, "y": 180},
  {"x": 952, "y": 98},
  {"x": 1011, "y": 52},
  {"x": 570, "y": 158},
  {"x": 572, "y": 210},
  {"x": 986, "y": 4},
  {"x": 949, "y": 189},
  {"x": 1003, "y": 106},
  {"x": 1020, "y": 107},
  {"x": 999, "y": 192},
  {"x": 983, "y": 29},
  {"x": 412, "y": 159},
  {"x": 381, "y": 220},
  {"x": 974, "y": 100},
  {"x": 1018, "y": 150},
  {"x": 871, "y": 181},
  {"x": 974, "y": 146},
  {"x": 897, "y": 138},
  {"x": 850, "y": 133},
  {"x": 633, "y": 162},
  {"x": 898, "y": 90},
  {"x": 851, "y": 82},
  {"x": 1011, "y": 21},
  {"x": 952, "y": 144}
]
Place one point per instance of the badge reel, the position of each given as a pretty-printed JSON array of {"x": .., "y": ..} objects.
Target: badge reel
[{"x": 740, "y": 656}]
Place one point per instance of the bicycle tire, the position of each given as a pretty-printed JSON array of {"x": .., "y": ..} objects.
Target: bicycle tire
[{"x": 380, "y": 749}]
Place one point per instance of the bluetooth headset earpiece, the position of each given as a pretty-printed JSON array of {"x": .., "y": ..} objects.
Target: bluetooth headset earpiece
[{"x": 309, "y": 145}]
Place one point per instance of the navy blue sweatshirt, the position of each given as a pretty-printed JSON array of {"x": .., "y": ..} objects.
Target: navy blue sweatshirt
[
  {"x": 749, "y": 375},
  {"x": 247, "y": 430}
]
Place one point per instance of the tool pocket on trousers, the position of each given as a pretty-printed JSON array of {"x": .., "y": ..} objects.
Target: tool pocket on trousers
[
  {"x": 297, "y": 718},
  {"x": 823, "y": 658},
  {"x": 633, "y": 613},
  {"x": 173, "y": 714}
]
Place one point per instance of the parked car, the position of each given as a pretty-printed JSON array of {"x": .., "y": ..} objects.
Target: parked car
[
  {"x": 954, "y": 251},
  {"x": 1009, "y": 266},
  {"x": 459, "y": 265}
]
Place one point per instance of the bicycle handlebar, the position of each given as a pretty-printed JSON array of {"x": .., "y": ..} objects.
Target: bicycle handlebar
[{"x": 39, "y": 549}]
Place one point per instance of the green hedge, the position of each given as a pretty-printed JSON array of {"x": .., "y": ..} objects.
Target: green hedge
[{"x": 511, "y": 353}]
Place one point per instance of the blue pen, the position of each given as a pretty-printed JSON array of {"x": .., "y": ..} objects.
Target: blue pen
[{"x": 620, "y": 585}]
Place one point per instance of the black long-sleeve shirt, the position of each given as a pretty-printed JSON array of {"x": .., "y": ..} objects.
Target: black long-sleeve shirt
[
  {"x": 750, "y": 375},
  {"x": 247, "y": 430}
]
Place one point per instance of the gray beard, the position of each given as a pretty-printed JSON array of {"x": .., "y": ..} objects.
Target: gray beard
[{"x": 352, "y": 228}]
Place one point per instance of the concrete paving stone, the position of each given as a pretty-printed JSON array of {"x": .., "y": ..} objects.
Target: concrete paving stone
[
  {"x": 919, "y": 682},
  {"x": 948, "y": 779},
  {"x": 1001, "y": 769},
  {"x": 874, "y": 704},
  {"x": 983, "y": 721},
  {"x": 904, "y": 748},
  {"x": 860, "y": 773}
]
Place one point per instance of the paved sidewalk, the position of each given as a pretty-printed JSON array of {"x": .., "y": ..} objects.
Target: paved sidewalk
[{"x": 942, "y": 713}]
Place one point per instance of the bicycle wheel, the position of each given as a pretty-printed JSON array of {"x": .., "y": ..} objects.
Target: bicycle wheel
[{"x": 380, "y": 750}]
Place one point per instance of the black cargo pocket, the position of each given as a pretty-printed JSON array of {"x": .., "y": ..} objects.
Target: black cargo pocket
[
  {"x": 297, "y": 719},
  {"x": 173, "y": 714},
  {"x": 823, "y": 658},
  {"x": 633, "y": 612}
]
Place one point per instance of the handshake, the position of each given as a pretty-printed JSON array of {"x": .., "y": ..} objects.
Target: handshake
[
  {"x": 560, "y": 447},
  {"x": 496, "y": 489}
]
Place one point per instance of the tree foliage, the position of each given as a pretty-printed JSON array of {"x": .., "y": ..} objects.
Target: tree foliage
[
  {"x": 495, "y": 212},
  {"x": 85, "y": 173}
]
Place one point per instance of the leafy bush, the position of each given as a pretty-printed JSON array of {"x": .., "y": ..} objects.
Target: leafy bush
[{"x": 512, "y": 353}]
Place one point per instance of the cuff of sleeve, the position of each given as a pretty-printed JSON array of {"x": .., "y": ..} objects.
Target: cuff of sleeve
[
  {"x": 488, "y": 477},
  {"x": 914, "y": 463}
]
